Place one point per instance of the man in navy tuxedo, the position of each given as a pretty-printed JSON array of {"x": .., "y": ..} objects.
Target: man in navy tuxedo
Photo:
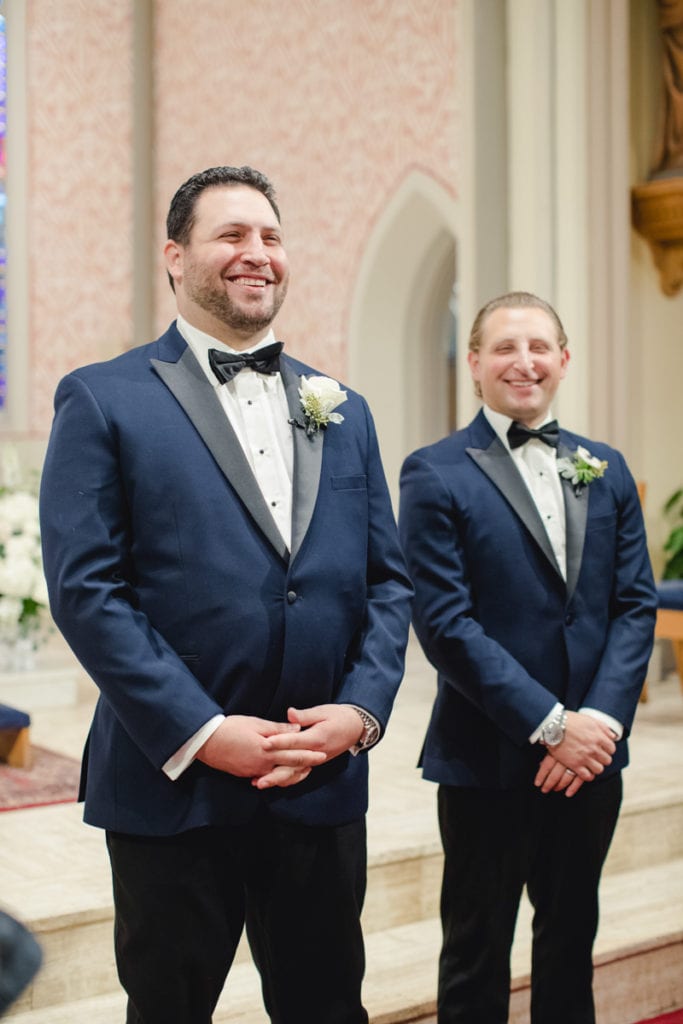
[
  {"x": 222, "y": 557},
  {"x": 534, "y": 600}
]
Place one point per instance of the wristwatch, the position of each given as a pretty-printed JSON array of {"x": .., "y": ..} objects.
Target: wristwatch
[
  {"x": 552, "y": 732},
  {"x": 370, "y": 733}
]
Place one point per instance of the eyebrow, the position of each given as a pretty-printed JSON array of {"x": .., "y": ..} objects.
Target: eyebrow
[{"x": 242, "y": 224}]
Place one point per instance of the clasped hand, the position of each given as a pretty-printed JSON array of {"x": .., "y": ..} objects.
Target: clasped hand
[
  {"x": 281, "y": 753},
  {"x": 586, "y": 750}
]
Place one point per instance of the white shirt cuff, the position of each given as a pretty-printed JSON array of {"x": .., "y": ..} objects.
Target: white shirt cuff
[
  {"x": 616, "y": 727},
  {"x": 536, "y": 734},
  {"x": 183, "y": 758}
]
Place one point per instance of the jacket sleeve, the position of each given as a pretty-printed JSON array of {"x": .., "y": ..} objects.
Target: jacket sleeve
[
  {"x": 87, "y": 552},
  {"x": 621, "y": 672},
  {"x": 376, "y": 668},
  {"x": 444, "y": 615}
]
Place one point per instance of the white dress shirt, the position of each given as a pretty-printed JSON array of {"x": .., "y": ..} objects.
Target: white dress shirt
[
  {"x": 256, "y": 406},
  {"x": 537, "y": 465}
]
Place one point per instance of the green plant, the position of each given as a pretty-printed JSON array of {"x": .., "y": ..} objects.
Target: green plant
[{"x": 673, "y": 546}]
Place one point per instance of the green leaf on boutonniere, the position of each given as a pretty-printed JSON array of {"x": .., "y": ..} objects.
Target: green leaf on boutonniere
[{"x": 581, "y": 468}]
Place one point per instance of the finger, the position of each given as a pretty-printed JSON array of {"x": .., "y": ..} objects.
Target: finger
[
  {"x": 277, "y": 728},
  {"x": 281, "y": 777},
  {"x": 563, "y": 781},
  {"x": 308, "y": 739},
  {"x": 554, "y": 778},
  {"x": 544, "y": 770},
  {"x": 594, "y": 766},
  {"x": 303, "y": 717},
  {"x": 574, "y": 786},
  {"x": 297, "y": 758}
]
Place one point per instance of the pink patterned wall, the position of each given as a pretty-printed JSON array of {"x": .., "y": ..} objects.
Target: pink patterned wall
[
  {"x": 337, "y": 101},
  {"x": 79, "y": 88}
]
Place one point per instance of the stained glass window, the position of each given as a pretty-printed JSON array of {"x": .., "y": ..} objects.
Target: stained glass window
[{"x": 3, "y": 199}]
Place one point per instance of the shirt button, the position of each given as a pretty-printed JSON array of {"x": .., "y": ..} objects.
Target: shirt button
[
  {"x": 274, "y": 504},
  {"x": 291, "y": 596}
]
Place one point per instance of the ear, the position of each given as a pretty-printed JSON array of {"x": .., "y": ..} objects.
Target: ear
[
  {"x": 473, "y": 360},
  {"x": 565, "y": 360},
  {"x": 173, "y": 254}
]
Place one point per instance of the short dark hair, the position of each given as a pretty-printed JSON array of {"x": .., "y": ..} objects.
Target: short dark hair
[
  {"x": 180, "y": 220},
  {"x": 514, "y": 300}
]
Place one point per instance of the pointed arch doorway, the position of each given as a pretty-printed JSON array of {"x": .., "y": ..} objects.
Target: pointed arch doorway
[{"x": 403, "y": 324}]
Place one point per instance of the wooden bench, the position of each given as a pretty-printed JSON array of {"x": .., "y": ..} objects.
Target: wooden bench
[
  {"x": 15, "y": 743},
  {"x": 670, "y": 619}
]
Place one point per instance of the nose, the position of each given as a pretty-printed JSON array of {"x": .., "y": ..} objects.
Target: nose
[
  {"x": 255, "y": 252},
  {"x": 525, "y": 360}
]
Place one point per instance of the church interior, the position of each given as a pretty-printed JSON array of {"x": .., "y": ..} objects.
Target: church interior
[{"x": 427, "y": 156}]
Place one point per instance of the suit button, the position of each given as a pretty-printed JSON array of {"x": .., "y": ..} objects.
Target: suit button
[
  {"x": 291, "y": 596},
  {"x": 569, "y": 619}
]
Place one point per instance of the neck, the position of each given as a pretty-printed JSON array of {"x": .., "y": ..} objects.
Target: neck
[{"x": 239, "y": 340}]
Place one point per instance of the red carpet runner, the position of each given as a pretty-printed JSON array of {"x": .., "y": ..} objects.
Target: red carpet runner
[{"x": 666, "y": 1018}]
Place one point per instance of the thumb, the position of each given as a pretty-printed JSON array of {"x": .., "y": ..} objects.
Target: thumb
[{"x": 301, "y": 716}]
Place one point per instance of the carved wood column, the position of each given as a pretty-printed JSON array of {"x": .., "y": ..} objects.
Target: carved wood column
[{"x": 657, "y": 204}]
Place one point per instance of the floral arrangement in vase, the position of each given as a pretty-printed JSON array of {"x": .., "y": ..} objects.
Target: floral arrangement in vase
[{"x": 23, "y": 593}]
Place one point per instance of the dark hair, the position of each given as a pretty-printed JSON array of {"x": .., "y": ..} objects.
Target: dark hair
[
  {"x": 180, "y": 220},
  {"x": 514, "y": 300}
]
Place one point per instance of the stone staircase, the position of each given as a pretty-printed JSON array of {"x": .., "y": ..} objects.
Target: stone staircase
[{"x": 54, "y": 875}]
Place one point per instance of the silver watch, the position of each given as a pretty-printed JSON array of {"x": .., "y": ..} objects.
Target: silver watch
[
  {"x": 370, "y": 733},
  {"x": 553, "y": 731}
]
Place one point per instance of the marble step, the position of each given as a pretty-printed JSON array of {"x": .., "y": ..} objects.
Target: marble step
[
  {"x": 639, "y": 957},
  {"x": 639, "y": 964}
]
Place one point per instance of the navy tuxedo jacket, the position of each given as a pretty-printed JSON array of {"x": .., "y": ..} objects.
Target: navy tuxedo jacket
[
  {"x": 507, "y": 635},
  {"x": 169, "y": 580}
]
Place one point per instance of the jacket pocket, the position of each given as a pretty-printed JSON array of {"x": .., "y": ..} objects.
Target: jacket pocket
[{"x": 349, "y": 483}]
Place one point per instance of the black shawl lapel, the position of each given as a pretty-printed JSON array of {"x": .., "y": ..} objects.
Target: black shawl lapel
[
  {"x": 576, "y": 514},
  {"x": 188, "y": 383},
  {"x": 308, "y": 454},
  {"x": 496, "y": 462}
]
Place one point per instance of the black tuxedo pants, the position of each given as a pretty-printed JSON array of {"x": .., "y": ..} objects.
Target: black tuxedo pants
[
  {"x": 181, "y": 903},
  {"x": 495, "y": 842}
]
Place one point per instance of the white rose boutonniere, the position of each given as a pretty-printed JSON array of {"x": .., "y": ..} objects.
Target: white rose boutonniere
[
  {"x": 582, "y": 468},
  {"x": 319, "y": 397}
]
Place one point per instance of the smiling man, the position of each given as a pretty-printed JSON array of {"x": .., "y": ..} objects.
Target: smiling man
[
  {"x": 535, "y": 603},
  {"x": 222, "y": 557}
]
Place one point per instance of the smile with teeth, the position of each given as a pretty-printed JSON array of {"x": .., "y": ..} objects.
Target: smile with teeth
[
  {"x": 250, "y": 282},
  {"x": 523, "y": 383}
]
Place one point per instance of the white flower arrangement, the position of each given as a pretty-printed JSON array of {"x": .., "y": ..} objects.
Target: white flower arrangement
[
  {"x": 319, "y": 397},
  {"x": 23, "y": 592},
  {"x": 582, "y": 468}
]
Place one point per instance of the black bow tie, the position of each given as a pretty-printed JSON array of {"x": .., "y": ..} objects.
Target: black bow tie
[
  {"x": 549, "y": 433},
  {"x": 226, "y": 365}
]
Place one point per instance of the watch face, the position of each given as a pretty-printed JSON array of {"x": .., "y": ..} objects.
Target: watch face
[{"x": 553, "y": 734}]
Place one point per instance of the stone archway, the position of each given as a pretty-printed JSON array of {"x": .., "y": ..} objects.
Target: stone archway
[{"x": 402, "y": 324}]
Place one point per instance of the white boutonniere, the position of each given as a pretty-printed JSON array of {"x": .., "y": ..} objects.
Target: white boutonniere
[
  {"x": 319, "y": 397},
  {"x": 582, "y": 468}
]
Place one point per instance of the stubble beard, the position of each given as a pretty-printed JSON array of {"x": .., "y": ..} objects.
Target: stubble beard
[{"x": 234, "y": 316}]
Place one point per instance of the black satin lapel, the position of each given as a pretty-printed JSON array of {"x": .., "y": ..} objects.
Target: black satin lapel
[
  {"x": 188, "y": 383},
  {"x": 576, "y": 515},
  {"x": 499, "y": 467},
  {"x": 308, "y": 455}
]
